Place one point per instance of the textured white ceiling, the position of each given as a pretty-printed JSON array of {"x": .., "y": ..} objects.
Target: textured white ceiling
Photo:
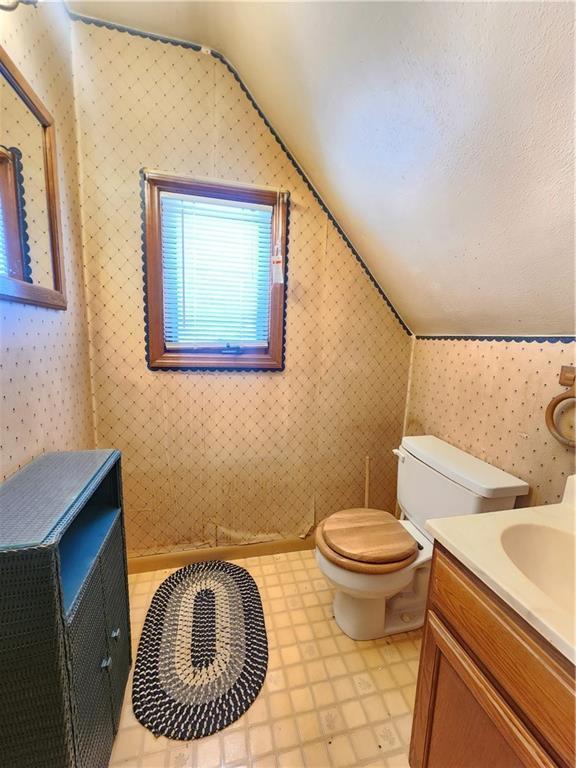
[{"x": 439, "y": 134}]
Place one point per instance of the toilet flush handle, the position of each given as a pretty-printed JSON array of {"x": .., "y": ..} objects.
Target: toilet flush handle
[{"x": 398, "y": 453}]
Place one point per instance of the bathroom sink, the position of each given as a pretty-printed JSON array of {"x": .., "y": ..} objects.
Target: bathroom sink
[
  {"x": 545, "y": 556},
  {"x": 526, "y": 556}
]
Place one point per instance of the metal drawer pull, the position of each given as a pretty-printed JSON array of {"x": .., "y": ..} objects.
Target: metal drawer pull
[
  {"x": 115, "y": 634},
  {"x": 106, "y": 663}
]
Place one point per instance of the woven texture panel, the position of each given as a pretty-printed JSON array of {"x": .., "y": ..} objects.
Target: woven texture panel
[
  {"x": 489, "y": 398},
  {"x": 41, "y": 500},
  {"x": 116, "y": 609},
  {"x": 93, "y": 722},
  {"x": 60, "y": 704},
  {"x": 32, "y": 664},
  {"x": 44, "y": 374},
  {"x": 217, "y": 458}
]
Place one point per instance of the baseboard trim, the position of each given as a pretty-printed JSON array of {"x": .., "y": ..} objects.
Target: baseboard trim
[{"x": 238, "y": 552}]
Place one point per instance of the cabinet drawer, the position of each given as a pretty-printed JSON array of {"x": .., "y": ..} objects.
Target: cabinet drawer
[
  {"x": 537, "y": 684},
  {"x": 116, "y": 609},
  {"x": 93, "y": 726}
]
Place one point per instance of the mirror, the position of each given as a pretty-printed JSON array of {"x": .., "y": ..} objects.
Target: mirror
[{"x": 31, "y": 269}]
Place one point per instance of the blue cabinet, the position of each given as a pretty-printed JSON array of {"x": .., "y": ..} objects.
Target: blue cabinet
[{"x": 65, "y": 650}]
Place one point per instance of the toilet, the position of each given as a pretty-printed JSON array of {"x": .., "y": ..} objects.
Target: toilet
[{"x": 378, "y": 565}]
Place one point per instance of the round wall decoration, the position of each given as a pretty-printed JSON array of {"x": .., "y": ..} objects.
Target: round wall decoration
[{"x": 203, "y": 653}]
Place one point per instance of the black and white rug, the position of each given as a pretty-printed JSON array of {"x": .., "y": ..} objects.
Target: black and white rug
[{"x": 203, "y": 653}]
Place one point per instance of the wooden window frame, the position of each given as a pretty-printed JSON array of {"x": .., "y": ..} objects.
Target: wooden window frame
[
  {"x": 10, "y": 214},
  {"x": 270, "y": 358},
  {"x": 18, "y": 289}
]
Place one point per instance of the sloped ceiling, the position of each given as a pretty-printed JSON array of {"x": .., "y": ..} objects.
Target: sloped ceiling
[{"x": 440, "y": 136}]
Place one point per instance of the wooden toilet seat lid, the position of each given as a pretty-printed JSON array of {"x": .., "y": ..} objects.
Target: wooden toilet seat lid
[{"x": 368, "y": 536}]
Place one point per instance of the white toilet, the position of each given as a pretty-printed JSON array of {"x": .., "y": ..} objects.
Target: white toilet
[{"x": 380, "y": 566}]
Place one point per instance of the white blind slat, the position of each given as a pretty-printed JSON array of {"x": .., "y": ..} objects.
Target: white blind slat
[{"x": 216, "y": 271}]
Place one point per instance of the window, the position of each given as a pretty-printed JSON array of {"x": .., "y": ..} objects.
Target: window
[
  {"x": 215, "y": 275},
  {"x": 11, "y": 252}
]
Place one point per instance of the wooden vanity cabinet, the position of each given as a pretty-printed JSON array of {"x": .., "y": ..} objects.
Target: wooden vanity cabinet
[{"x": 491, "y": 691}]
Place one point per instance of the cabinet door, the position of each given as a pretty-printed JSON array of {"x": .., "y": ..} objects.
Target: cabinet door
[
  {"x": 524, "y": 668},
  {"x": 461, "y": 721},
  {"x": 93, "y": 726},
  {"x": 35, "y": 724},
  {"x": 113, "y": 570}
]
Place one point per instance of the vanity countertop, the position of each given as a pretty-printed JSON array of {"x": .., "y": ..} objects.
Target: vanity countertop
[{"x": 526, "y": 556}]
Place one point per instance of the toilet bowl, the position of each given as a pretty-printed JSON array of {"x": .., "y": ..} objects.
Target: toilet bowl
[
  {"x": 384, "y": 592},
  {"x": 379, "y": 566}
]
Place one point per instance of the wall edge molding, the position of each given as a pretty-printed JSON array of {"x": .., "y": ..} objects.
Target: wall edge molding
[
  {"x": 179, "y": 558},
  {"x": 519, "y": 339}
]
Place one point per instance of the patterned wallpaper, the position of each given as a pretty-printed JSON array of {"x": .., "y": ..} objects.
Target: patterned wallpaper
[
  {"x": 489, "y": 398},
  {"x": 218, "y": 458},
  {"x": 44, "y": 374}
]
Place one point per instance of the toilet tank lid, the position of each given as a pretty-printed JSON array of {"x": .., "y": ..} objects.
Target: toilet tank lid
[{"x": 466, "y": 470}]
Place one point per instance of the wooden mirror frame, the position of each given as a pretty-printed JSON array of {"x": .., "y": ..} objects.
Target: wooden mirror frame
[{"x": 10, "y": 287}]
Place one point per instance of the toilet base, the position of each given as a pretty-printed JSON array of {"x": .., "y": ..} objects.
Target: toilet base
[
  {"x": 372, "y": 618},
  {"x": 359, "y": 618}
]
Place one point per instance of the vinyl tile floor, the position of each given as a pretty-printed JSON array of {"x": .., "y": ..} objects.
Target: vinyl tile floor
[{"x": 328, "y": 701}]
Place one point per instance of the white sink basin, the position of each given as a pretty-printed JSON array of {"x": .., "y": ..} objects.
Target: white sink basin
[
  {"x": 526, "y": 556},
  {"x": 545, "y": 555}
]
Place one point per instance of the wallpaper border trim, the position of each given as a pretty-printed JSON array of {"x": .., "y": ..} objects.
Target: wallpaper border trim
[
  {"x": 222, "y": 59},
  {"x": 22, "y": 217},
  {"x": 204, "y": 369},
  {"x": 528, "y": 339}
]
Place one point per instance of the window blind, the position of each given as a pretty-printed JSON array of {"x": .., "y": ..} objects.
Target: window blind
[{"x": 216, "y": 261}]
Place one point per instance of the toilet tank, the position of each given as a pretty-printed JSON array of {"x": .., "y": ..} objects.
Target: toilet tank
[{"x": 436, "y": 479}]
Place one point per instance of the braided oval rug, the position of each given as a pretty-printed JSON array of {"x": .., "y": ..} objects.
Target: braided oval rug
[{"x": 203, "y": 653}]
